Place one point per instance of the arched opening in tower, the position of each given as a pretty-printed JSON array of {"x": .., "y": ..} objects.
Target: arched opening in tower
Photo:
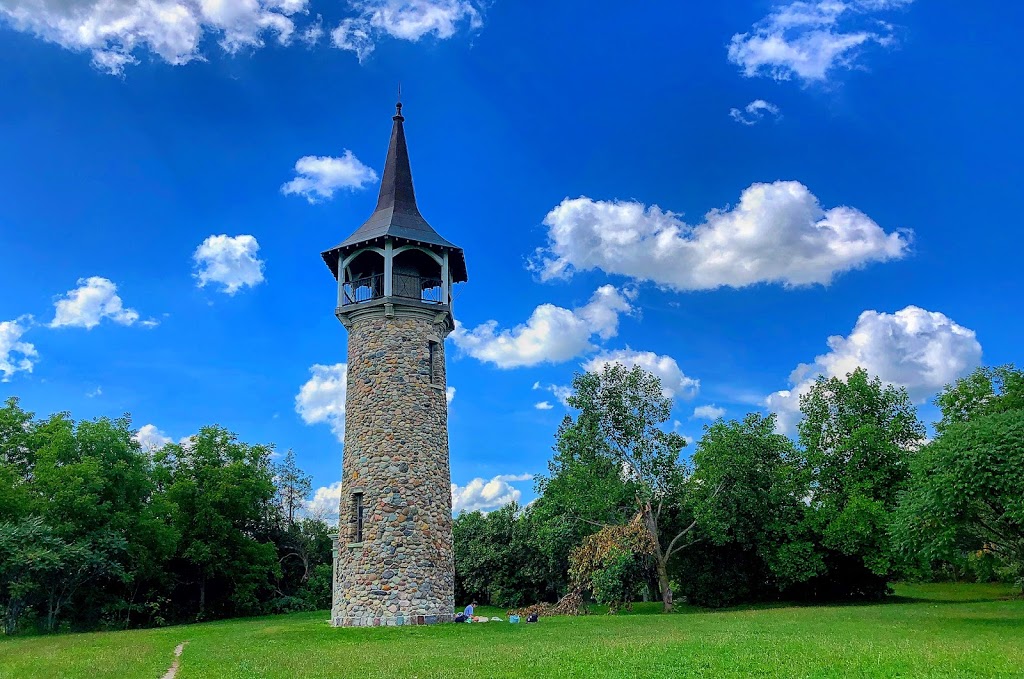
[
  {"x": 417, "y": 275},
  {"x": 364, "y": 277}
]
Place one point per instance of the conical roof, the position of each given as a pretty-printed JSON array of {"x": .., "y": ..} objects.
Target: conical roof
[{"x": 397, "y": 215}]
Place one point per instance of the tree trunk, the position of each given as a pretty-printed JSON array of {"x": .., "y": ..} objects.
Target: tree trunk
[
  {"x": 14, "y": 607},
  {"x": 131, "y": 603},
  {"x": 663, "y": 583},
  {"x": 202, "y": 599},
  {"x": 51, "y": 616},
  {"x": 660, "y": 559}
]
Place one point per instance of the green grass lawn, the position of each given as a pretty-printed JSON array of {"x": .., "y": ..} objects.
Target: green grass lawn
[{"x": 927, "y": 630}]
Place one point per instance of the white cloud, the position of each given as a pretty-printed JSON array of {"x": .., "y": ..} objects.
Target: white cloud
[
  {"x": 404, "y": 20},
  {"x": 478, "y": 494},
  {"x": 483, "y": 495},
  {"x": 552, "y": 334},
  {"x": 449, "y": 394},
  {"x": 231, "y": 261},
  {"x": 116, "y": 32},
  {"x": 318, "y": 177},
  {"x": 326, "y": 503},
  {"x": 94, "y": 299},
  {"x": 561, "y": 392},
  {"x": 810, "y": 39},
  {"x": 98, "y": 391},
  {"x": 708, "y": 412},
  {"x": 543, "y": 405},
  {"x": 15, "y": 354},
  {"x": 311, "y": 36},
  {"x": 913, "y": 348},
  {"x": 150, "y": 438},
  {"x": 754, "y": 112},
  {"x": 322, "y": 398},
  {"x": 778, "y": 233},
  {"x": 673, "y": 382}
]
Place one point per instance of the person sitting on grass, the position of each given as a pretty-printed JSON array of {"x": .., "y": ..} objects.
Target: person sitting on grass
[{"x": 466, "y": 615}]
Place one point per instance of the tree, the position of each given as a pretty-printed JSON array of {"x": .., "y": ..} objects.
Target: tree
[
  {"x": 293, "y": 486},
  {"x": 612, "y": 563},
  {"x": 16, "y": 460},
  {"x": 302, "y": 547},
  {"x": 857, "y": 437},
  {"x": 222, "y": 492},
  {"x": 96, "y": 532},
  {"x": 76, "y": 564},
  {"x": 497, "y": 558},
  {"x": 756, "y": 523},
  {"x": 965, "y": 488},
  {"x": 986, "y": 391},
  {"x": 28, "y": 549},
  {"x": 623, "y": 411},
  {"x": 583, "y": 492}
]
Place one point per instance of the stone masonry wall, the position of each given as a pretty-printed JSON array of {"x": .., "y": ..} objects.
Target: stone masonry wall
[{"x": 396, "y": 455}]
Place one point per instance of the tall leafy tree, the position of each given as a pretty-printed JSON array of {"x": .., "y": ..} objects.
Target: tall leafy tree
[
  {"x": 758, "y": 520},
  {"x": 29, "y": 550},
  {"x": 94, "y": 531},
  {"x": 222, "y": 492},
  {"x": 498, "y": 558},
  {"x": 986, "y": 391},
  {"x": 583, "y": 491},
  {"x": 624, "y": 410},
  {"x": 293, "y": 486},
  {"x": 965, "y": 492},
  {"x": 17, "y": 459},
  {"x": 857, "y": 436},
  {"x": 92, "y": 484}
]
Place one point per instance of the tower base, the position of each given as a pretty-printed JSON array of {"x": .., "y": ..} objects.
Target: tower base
[{"x": 398, "y": 620}]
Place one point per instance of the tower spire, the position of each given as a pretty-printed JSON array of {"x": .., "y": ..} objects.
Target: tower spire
[
  {"x": 396, "y": 189},
  {"x": 397, "y": 217}
]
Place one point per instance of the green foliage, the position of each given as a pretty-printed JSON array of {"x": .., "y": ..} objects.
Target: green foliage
[
  {"x": 621, "y": 416},
  {"x": 622, "y": 412},
  {"x": 499, "y": 559},
  {"x": 966, "y": 492},
  {"x": 858, "y": 437},
  {"x": 613, "y": 563},
  {"x": 316, "y": 590},
  {"x": 29, "y": 551},
  {"x": 986, "y": 391},
  {"x": 293, "y": 486},
  {"x": 584, "y": 490},
  {"x": 617, "y": 583},
  {"x": 94, "y": 532},
  {"x": 304, "y": 552},
  {"x": 747, "y": 497},
  {"x": 222, "y": 492}
]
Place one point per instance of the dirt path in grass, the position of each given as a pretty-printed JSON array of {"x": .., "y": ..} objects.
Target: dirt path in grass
[{"x": 172, "y": 671}]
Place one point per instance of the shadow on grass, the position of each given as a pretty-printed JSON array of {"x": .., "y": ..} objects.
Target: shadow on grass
[
  {"x": 897, "y": 599},
  {"x": 941, "y": 594}
]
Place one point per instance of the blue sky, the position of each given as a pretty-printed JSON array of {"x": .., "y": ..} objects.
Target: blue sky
[{"x": 859, "y": 207}]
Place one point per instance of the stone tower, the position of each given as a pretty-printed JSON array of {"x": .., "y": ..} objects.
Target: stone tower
[{"x": 394, "y": 562}]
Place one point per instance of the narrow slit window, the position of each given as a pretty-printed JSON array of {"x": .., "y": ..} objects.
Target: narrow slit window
[
  {"x": 434, "y": 351},
  {"x": 357, "y": 517}
]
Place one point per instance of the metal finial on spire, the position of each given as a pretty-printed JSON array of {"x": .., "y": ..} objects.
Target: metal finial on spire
[{"x": 398, "y": 105}]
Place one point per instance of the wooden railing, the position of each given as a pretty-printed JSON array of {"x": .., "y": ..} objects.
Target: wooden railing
[{"x": 406, "y": 286}]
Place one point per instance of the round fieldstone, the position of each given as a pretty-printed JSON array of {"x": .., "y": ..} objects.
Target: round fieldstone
[{"x": 401, "y": 571}]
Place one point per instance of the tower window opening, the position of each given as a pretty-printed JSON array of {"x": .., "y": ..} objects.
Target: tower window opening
[
  {"x": 434, "y": 351},
  {"x": 357, "y": 517}
]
